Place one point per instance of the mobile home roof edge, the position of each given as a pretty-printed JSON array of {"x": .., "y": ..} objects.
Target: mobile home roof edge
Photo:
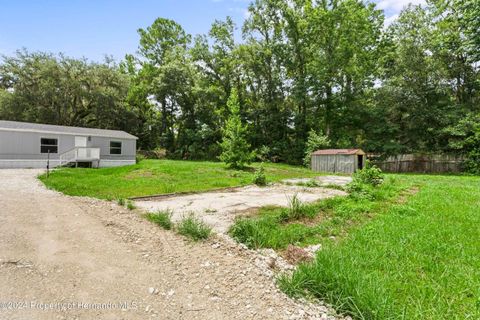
[{"x": 66, "y": 130}]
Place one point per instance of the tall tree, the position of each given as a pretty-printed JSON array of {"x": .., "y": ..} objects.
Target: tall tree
[
  {"x": 303, "y": 66},
  {"x": 216, "y": 62},
  {"x": 414, "y": 93},
  {"x": 468, "y": 13},
  {"x": 45, "y": 88},
  {"x": 235, "y": 148},
  {"x": 265, "y": 79},
  {"x": 161, "y": 44},
  {"x": 346, "y": 40},
  {"x": 429, "y": 81}
]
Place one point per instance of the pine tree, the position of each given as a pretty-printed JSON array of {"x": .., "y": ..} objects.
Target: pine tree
[{"x": 235, "y": 148}]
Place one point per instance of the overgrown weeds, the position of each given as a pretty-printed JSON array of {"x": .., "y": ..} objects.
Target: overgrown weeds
[
  {"x": 365, "y": 182},
  {"x": 194, "y": 228},
  {"x": 276, "y": 227},
  {"x": 190, "y": 226},
  {"x": 161, "y": 218},
  {"x": 131, "y": 205},
  {"x": 370, "y": 175},
  {"x": 296, "y": 209}
]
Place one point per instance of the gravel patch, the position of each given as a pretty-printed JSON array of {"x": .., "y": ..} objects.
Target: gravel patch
[
  {"x": 60, "y": 249},
  {"x": 220, "y": 208}
]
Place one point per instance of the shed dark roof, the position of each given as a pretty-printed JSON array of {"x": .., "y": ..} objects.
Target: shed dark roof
[
  {"x": 339, "y": 151},
  {"x": 48, "y": 128}
]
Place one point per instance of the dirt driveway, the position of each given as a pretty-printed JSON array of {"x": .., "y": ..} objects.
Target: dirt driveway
[{"x": 88, "y": 259}]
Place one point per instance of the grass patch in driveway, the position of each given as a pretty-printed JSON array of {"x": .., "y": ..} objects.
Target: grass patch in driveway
[
  {"x": 190, "y": 226},
  {"x": 418, "y": 258},
  {"x": 152, "y": 177},
  {"x": 161, "y": 218},
  {"x": 303, "y": 224},
  {"x": 193, "y": 228}
]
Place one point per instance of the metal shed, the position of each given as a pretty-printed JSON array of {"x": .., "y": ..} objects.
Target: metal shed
[{"x": 338, "y": 160}]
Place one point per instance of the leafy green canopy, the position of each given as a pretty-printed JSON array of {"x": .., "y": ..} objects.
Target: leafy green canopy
[
  {"x": 328, "y": 66},
  {"x": 315, "y": 142}
]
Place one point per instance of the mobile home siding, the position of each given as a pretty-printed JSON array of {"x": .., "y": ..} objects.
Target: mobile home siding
[
  {"x": 21, "y": 149},
  {"x": 128, "y": 148}
]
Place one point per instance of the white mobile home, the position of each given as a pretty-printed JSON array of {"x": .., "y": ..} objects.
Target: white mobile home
[{"x": 32, "y": 145}]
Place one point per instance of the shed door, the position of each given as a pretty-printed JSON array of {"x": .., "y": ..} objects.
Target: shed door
[
  {"x": 360, "y": 162},
  {"x": 80, "y": 142}
]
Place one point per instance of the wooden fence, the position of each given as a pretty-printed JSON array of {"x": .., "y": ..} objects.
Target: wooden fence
[{"x": 438, "y": 163}]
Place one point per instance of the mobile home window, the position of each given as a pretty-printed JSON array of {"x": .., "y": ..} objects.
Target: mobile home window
[
  {"x": 48, "y": 145},
  {"x": 115, "y": 147}
]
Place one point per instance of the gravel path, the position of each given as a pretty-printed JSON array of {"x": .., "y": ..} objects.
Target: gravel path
[{"x": 89, "y": 259}]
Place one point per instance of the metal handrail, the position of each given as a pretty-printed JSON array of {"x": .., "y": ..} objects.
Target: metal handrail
[{"x": 72, "y": 155}]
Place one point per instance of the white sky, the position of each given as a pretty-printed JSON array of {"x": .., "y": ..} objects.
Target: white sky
[{"x": 392, "y": 8}]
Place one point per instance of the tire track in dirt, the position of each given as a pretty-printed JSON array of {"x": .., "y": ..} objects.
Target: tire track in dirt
[{"x": 78, "y": 249}]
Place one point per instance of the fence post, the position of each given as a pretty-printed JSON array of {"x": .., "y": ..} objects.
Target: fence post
[{"x": 48, "y": 163}]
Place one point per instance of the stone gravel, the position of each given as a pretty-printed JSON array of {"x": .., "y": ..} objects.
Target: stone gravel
[{"x": 81, "y": 254}]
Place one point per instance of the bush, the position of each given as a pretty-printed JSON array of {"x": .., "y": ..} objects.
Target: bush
[
  {"x": 158, "y": 153},
  {"x": 472, "y": 162},
  {"x": 162, "y": 218},
  {"x": 365, "y": 181},
  {"x": 263, "y": 154},
  {"x": 464, "y": 138},
  {"x": 472, "y": 144},
  {"x": 121, "y": 202},
  {"x": 139, "y": 158},
  {"x": 370, "y": 175},
  {"x": 259, "y": 178},
  {"x": 359, "y": 190},
  {"x": 194, "y": 228},
  {"x": 315, "y": 141}
]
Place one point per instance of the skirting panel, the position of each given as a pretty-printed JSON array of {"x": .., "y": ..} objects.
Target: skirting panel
[
  {"x": 42, "y": 164},
  {"x": 27, "y": 164},
  {"x": 115, "y": 163}
]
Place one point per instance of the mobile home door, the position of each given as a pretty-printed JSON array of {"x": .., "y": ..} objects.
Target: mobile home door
[{"x": 80, "y": 142}]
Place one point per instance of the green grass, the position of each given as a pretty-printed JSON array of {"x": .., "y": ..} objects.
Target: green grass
[
  {"x": 151, "y": 177},
  {"x": 296, "y": 209},
  {"x": 193, "y": 228},
  {"x": 414, "y": 259},
  {"x": 161, "y": 218},
  {"x": 131, "y": 205},
  {"x": 305, "y": 224}
]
